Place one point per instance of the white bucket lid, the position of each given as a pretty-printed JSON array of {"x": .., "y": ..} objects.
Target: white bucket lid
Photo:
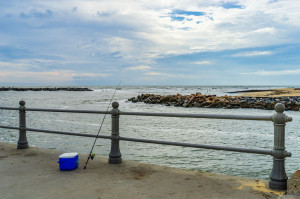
[{"x": 68, "y": 155}]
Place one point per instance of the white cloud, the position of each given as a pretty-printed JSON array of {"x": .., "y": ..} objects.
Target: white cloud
[
  {"x": 139, "y": 68},
  {"x": 265, "y": 30},
  {"x": 202, "y": 62},
  {"x": 13, "y": 65},
  {"x": 128, "y": 33},
  {"x": 141, "y": 30},
  {"x": 252, "y": 53},
  {"x": 270, "y": 73},
  {"x": 52, "y": 77},
  {"x": 25, "y": 64},
  {"x": 158, "y": 74}
]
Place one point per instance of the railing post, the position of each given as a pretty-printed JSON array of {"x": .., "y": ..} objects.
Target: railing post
[
  {"x": 278, "y": 177},
  {"x": 115, "y": 154},
  {"x": 22, "y": 142}
]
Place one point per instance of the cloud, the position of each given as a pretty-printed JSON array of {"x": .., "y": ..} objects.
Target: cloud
[
  {"x": 139, "y": 68},
  {"x": 158, "y": 74},
  {"x": 13, "y": 65},
  {"x": 252, "y": 53},
  {"x": 51, "y": 77},
  {"x": 277, "y": 73},
  {"x": 269, "y": 30},
  {"x": 112, "y": 35},
  {"x": 36, "y": 14},
  {"x": 144, "y": 31},
  {"x": 35, "y": 64},
  {"x": 202, "y": 62}
]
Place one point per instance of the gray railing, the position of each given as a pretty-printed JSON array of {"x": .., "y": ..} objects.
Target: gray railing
[{"x": 278, "y": 177}]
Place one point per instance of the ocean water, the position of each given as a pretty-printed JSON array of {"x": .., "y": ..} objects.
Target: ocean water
[{"x": 235, "y": 133}]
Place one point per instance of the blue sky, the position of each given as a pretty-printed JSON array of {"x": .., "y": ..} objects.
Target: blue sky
[{"x": 167, "y": 42}]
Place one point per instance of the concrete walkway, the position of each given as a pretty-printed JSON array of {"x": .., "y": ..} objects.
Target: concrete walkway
[{"x": 34, "y": 173}]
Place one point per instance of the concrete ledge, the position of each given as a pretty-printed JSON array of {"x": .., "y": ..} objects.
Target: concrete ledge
[{"x": 34, "y": 173}]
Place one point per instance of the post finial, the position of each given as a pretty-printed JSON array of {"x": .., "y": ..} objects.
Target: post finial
[
  {"x": 279, "y": 108},
  {"x": 115, "y": 105},
  {"x": 22, "y": 103}
]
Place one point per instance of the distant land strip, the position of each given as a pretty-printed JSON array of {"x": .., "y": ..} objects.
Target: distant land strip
[
  {"x": 248, "y": 91},
  {"x": 45, "y": 89}
]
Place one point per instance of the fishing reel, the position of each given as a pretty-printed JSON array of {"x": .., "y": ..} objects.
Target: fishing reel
[{"x": 92, "y": 156}]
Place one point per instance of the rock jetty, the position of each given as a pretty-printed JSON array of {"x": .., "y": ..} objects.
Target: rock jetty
[
  {"x": 212, "y": 101},
  {"x": 45, "y": 89}
]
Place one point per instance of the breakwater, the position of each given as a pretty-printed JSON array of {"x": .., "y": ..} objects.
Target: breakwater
[
  {"x": 45, "y": 89},
  {"x": 212, "y": 101}
]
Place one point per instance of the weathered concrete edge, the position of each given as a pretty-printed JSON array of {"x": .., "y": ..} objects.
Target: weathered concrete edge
[{"x": 255, "y": 185}]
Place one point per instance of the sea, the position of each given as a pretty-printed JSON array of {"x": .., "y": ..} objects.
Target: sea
[{"x": 234, "y": 133}]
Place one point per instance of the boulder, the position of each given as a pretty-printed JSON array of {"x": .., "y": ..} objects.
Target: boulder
[{"x": 293, "y": 184}]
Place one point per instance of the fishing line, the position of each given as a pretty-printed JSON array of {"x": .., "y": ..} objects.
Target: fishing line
[{"x": 92, "y": 155}]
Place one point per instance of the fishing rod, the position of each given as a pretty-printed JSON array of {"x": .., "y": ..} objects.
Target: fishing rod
[{"x": 92, "y": 155}]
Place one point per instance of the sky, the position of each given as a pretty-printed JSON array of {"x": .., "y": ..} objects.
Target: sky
[{"x": 157, "y": 42}]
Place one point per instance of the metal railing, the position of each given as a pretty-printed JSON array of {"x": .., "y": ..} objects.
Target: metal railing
[{"x": 278, "y": 177}]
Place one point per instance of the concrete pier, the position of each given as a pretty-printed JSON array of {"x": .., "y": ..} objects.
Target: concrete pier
[{"x": 34, "y": 173}]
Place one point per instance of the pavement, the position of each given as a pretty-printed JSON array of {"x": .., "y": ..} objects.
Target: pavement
[{"x": 34, "y": 173}]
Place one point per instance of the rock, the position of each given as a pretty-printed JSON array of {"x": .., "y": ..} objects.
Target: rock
[
  {"x": 197, "y": 104},
  {"x": 185, "y": 104},
  {"x": 228, "y": 106},
  {"x": 293, "y": 184}
]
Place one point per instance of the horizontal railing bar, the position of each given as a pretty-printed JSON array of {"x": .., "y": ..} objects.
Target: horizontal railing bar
[
  {"x": 224, "y": 148},
  {"x": 211, "y": 116},
  {"x": 9, "y": 108},
  {"x": 67, "y": 111},
  {"x": 57, "y": 132},
  {"x": 68, "y": 133},
  {"x": 58, "y": 110},
  {"x": 9, "y": 127}
]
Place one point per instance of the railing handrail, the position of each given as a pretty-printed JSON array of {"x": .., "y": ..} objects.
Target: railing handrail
[
  {"x": 205, "y": 146},
  {"x": 184, "y": 115},
  {"x": 208, "y": 116},
  {"x": 278, "y": 177},
  {"x": 8, "y": 108},
  {"x": 57, "y": 110}
]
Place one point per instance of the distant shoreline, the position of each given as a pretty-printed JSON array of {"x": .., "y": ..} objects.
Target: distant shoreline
[
  {"x": 279, "y": 92},
  {"x": 248, "y": 91},
  {"x": 45, "y": 89}
]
